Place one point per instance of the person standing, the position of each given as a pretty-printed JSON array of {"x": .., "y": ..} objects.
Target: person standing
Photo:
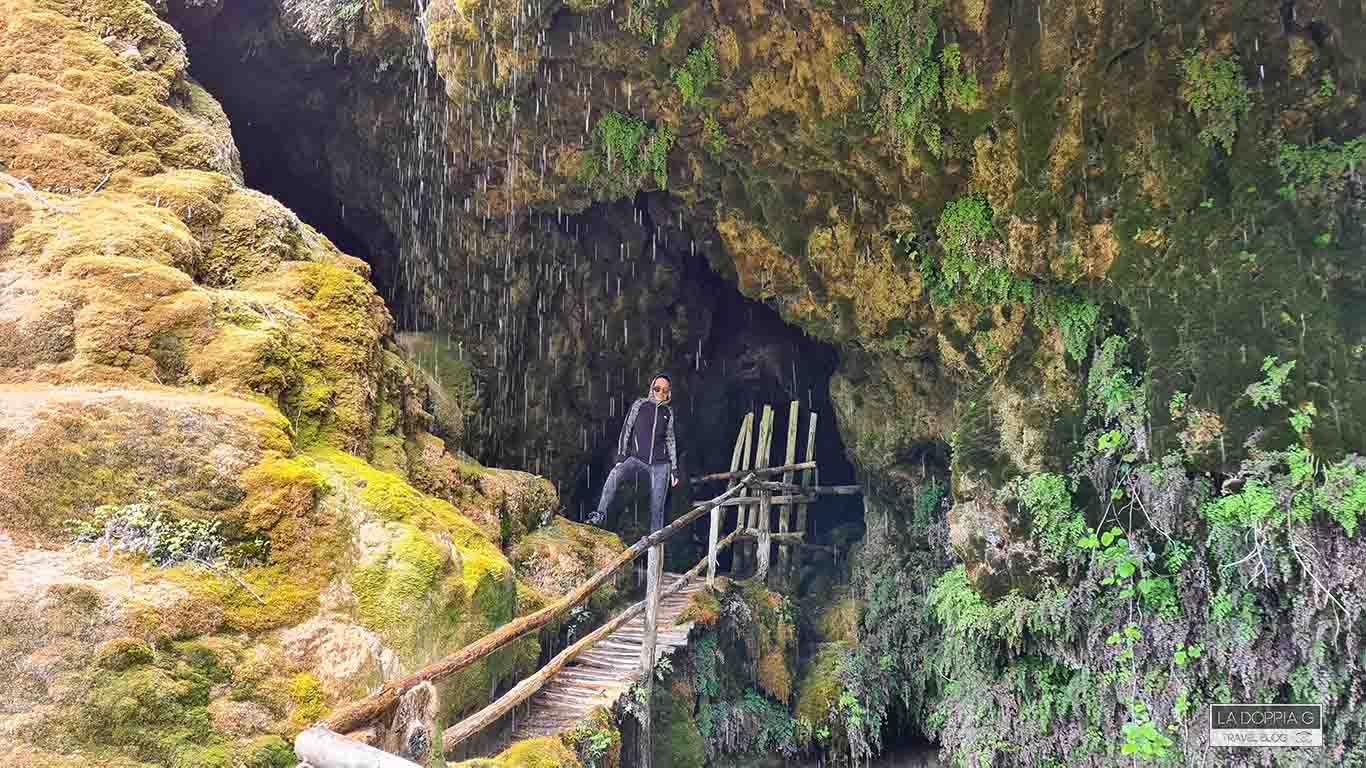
[{"x": 646, "y": 444}]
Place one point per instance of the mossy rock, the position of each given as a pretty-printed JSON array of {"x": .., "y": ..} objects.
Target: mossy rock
[
  {"x": 543, "y": 752},
  {"x": 121, "y": 653},
  {"x": 704, "y": 608},
  {"x": 558, "y": 557}
]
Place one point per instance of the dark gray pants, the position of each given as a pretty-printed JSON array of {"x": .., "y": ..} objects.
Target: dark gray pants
[{"x": 659, "y": 487}]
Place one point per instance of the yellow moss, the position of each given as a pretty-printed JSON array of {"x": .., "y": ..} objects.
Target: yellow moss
[
  {"x": 307, "y": 703},
  {"x": 819, "y": 687},
  {"x": 108, "y": 224},
  {"x": 282, "y": 503},
  {"x": 703, "y": 609},
  {"x": 543, "y": 752},
  {"x": 437, "y": 583},
  {"x": 89, "y": 100},
  {"x": 771, "y": 641},
  {"x": 195, "y": 197},
  {"x": 839, "y": 620},
  {"x": 861, "y": 269},
  {"x": 763, "y": 271},
  {"x": 346, "y": 318}
]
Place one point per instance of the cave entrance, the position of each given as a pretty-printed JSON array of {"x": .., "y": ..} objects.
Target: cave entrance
[{"x": 323, "y": 134}]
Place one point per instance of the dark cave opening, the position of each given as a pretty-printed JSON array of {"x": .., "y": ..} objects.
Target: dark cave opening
[
  {"x": 281, "y": 96},
  {"x": 288, "y": 105}
]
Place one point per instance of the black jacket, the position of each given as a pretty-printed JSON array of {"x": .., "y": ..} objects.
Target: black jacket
[{"x": 648, "y": 434}]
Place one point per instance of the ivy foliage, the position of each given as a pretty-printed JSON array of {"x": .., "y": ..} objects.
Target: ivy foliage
[
  {"x": 1218, "y": 95},
  {"x": 911, "y": 85},
  {"x": 1316, "y": 171},
  {"x": 972, "y": 267},
  {"x": 626, "y": 152},
  {"x": 699, "y": 71},
  {"x": 1174, "y": 590}
]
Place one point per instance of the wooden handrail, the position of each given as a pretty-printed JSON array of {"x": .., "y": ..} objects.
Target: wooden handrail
[
  {"x": 359, "y": 714},
  {"x": 740, "y": 501},
  {"x": 798, "y": 488},
  {"x": 529, "y": 686},
  {"x": 763, "y": 472}
]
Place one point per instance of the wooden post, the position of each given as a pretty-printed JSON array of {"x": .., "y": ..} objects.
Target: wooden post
[
  {"x": 785, "y": 510},
  {"x": 759, "y": 514},
  {"x": 807, "y": 480},
  {"x": 654, "y": 570},
  {"x": 716, "y": 512},
  {"x": 742, "y": 512}
]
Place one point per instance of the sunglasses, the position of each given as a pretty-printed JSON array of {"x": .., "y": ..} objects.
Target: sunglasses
[{"x": 657, "y": 388}]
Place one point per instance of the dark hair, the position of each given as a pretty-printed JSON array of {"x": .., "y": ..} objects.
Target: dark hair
[{"x": 663, "y": 376}]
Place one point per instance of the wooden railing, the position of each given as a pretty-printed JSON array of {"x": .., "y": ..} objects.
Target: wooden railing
[{"x": 380, "y": 704}]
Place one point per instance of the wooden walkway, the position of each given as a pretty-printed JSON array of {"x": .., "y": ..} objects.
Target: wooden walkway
[
  {"x": 598, "y": 668},
  {"x": 601, "y": 675}
]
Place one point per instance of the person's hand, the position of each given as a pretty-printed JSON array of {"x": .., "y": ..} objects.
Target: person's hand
[{"x": 674, "y": 483}]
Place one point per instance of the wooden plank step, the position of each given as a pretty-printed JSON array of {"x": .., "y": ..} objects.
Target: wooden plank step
[
  {"x": 604, "y": 682},
  {"x": 612, "y": 653},
  {"x": 574, "y": 703}
]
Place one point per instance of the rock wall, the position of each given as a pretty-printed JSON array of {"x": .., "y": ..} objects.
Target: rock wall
[
  {"x": 963, "y": 200},
  {"x": 1092, "y": 271},
  {"x": 224, "y": 512}
]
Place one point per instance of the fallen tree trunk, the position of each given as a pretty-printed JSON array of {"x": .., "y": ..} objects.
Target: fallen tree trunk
[{"x": 322, "y": 748}]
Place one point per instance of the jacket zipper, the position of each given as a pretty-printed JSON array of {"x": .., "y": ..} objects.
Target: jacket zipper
[{"x": 654, "y": 422}]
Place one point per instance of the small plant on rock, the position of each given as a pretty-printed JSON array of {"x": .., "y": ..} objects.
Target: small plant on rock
[
  {"x": 699, "y": 71},
  {"x": 1218, "y": 95}
]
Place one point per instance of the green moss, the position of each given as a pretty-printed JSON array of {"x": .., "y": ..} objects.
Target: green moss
[
  {"x": 435, "y": 585},
  {"x": 392, "y": 591},
  {"x": 678, "y": 742},
  {"x": 121, "y": 653},
  {"x": 144, "y": 711},
  {"x": 262, "y": 752},
  {"x": 327, "y": 372},
  {"x": 819, "y": 686}
]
